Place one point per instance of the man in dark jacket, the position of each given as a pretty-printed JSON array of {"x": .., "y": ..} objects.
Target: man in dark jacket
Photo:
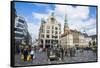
[{"x": 25, "y": 54}]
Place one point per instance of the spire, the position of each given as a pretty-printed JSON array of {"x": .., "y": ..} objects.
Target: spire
[
  {"x": 65, "y": 18},
  {"x": 84, "y": 31},
  {"x": 52, "y": 14},
  {"x": 65, "y": 24}
]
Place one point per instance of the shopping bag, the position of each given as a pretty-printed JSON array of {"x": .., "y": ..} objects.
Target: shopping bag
[
  {"x": 28, "y": 57},
  {"x": 22, "y": 57},
  {"x": 33, "y": 56}
]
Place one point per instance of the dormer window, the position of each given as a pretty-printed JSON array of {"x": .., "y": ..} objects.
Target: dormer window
[{"x": 52, "y": 19}]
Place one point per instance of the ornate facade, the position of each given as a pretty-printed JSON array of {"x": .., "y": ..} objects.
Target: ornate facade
[{"x": 49, "y": 32}]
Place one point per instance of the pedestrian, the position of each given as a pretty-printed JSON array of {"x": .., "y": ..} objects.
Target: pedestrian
[
  {"x": 17, "y": 50},
  {"x": 48, "y": 52},
  {"x": 35, "y": 48},
  {"x": 66, "y": 52},
  {"x": 70, "y": 52},
  {"x": 25, "y": 54},
  {"x": 32, "y": 53},
  {"x": 81, "y": 50},
  {"x": 62, "y": 53},
  {"x": 73, "y": 52}
]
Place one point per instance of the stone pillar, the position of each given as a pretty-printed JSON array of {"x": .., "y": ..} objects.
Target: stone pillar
[{"x": 43, "y": 43}]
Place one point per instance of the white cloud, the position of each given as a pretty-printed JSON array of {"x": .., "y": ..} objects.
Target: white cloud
[
  {"x": 78, "y": 12},
  {"x": 92, "y": 31},
  {"x": 84, "y": 24},
  {"x": 39, "y": 15},
  {"x": 33, "y": 30},
  {"x": 76, "y": 15}
]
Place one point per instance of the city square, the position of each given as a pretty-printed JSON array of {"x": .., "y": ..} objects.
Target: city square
[{"x": 41, "y": 58}]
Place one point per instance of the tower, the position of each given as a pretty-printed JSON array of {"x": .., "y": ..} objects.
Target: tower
[
  {"x": 66, "y": 24},
  {"x": 52, "y": 14},
  {"x": 66, "y": 27}
]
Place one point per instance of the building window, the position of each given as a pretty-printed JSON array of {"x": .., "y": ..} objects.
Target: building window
[
  {"x": 42, "y": 36},
  {"x": 19, "y": 35},
  {"x": 56, "y": 32},
  {"x": 59, "y": 25},
  {"x": 48, "y": 36},
  {"x": 56, "y": 28},
  {"x": 52, "y": 27},
  {"x": 56, "y": 41},
  {"x": 48, "y": 31},
  {"x": 19, "y": 30},
  {"x": 42, "y": 30},
  {"x": 21, "y": 21},
  {"x": 56, "y": 36},
  {"x": 60, "y": 32},
  {"x": 59, "y": 28},
  {"x": 47, "y": 41},
  {"x": 52, "y": 36},
  {"x": 19, "y": 25},
  {"x": 52, "y": 19},
  {"x": 52, "y": 41},
  {"x": 41, "y": 41},
  {"x": 52, "y": 31},
  {"x": 48, "y": 27}
]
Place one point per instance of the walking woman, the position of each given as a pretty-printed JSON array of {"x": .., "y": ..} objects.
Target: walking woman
[{"x": 32, "y": 53}]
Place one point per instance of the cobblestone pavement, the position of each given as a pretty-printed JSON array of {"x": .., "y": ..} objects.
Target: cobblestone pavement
[{"x": 41, "y": 58}]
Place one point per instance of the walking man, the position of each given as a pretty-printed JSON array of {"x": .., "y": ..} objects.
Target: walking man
[{"x": 25, "y": 54}]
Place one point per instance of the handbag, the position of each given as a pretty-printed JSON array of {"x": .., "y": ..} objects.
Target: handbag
[{"x": 28, "y": 57}]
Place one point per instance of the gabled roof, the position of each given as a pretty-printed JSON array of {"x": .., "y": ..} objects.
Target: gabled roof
[{"x": 93, "y": 36}]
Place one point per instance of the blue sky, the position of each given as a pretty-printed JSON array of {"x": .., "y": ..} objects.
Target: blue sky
[
  {"x": 26, "y": 9},
  {"x": 79, "y": 17}
]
